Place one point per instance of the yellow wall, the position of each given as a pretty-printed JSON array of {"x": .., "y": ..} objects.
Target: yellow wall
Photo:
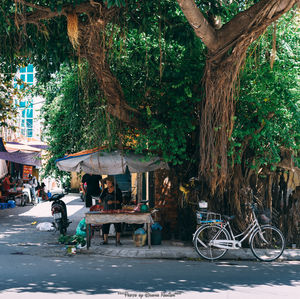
[{"x": 75, "y": 180}]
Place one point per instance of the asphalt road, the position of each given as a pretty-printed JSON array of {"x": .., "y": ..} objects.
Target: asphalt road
[{"x": 79, "y": 276}]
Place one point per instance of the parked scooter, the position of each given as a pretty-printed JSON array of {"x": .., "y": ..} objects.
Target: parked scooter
[
  {"x": 27, "y": 194},
  {"x": 59, "y": 212}
]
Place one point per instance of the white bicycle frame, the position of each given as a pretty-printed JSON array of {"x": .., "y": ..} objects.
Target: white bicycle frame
[{"x": 233, "y": 243}]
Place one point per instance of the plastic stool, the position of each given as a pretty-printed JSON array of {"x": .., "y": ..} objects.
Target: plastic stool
[{"x": 3, "y": 205}]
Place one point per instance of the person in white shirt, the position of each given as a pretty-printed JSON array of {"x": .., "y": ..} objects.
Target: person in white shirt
[{"x": 33, "y": 183}]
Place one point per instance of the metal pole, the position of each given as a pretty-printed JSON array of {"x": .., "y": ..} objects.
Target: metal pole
[{"x": 115, "y": 191}]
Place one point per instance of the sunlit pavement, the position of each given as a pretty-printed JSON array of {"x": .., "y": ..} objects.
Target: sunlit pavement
[{"x": 18, "y": 230}]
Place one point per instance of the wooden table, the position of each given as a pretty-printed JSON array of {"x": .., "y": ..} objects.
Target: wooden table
[{"x": 102, "y": 218}]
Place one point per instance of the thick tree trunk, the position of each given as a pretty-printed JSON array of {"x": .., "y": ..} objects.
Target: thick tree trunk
[
  {"x": 227, "y": 50},
  {"x": 92, "y": 47}
]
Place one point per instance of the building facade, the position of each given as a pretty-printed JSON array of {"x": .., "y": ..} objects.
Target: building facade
[{"x": 28, "y": 123}]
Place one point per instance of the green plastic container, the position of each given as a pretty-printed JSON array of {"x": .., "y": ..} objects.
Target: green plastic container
[{"x": 156, "y": 237}]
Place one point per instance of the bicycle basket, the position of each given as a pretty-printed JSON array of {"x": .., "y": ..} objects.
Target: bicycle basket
[
  {"x": 208, "y": 217},
  {"x": 263, "y": 216}
]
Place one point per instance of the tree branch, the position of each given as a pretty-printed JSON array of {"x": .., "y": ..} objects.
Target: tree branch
[
  {"x": 200, "y": 25},
  {"x": 244, "y": 20},
  {"x": 216, "y": 40},
  {"x": 45, "y": 13},
  {"x": 25, "y": 3}
]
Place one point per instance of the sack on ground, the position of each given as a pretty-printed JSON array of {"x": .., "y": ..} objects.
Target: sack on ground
[
  {"x": 45, "y": 226},
  {"x": 139, "y": 237}
]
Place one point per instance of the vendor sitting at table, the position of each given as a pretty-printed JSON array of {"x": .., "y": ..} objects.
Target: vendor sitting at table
[
  {"x": 111, "y": 198},
  {"x": 6, "y": 184}
]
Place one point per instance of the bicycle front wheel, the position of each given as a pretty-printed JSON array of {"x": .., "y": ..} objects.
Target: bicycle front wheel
[
  {"x": 268, "y": 244},
  {"x": 202, "y": 241}
]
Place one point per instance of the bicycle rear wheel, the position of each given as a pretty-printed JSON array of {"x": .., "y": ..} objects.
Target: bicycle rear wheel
[
  {"x": 267, "y": 245},
  {"x": 202, "y": 239}
]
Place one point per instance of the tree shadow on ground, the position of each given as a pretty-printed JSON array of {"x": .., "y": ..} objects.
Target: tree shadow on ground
[{"x": 99, "y": 275}]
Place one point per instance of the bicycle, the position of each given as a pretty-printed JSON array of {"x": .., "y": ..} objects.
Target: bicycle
[{"x": 215, "y": 237}]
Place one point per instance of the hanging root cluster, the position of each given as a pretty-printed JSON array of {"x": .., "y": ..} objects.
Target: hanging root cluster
[
  {"x": 218, "y": 107},
  {"x": 73, "y": 31}
]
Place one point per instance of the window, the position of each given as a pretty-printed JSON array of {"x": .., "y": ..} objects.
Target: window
[
  {"x": 30, "y": 68},
  {"x": 29, "y": 123},
  {"x": 30, "y": 78},
  {"x": 29, "y": 113}
]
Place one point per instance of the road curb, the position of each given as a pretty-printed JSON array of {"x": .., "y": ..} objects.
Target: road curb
[{"x": 182, "y": 253}]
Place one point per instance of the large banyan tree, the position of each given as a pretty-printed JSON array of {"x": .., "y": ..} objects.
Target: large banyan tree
[
  {"x": 92, "y": 27},
  {"x": 87, "y": 23}
]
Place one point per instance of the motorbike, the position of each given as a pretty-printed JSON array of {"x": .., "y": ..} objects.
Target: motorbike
[
  {"x": 28, "y": 198},
  {"x": 59, "y": 212}
]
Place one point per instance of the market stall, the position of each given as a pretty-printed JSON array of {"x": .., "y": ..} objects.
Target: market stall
[
  {"x": 99, "y": 161},
  {"x": 102, "y": 217},
  {"x": 22, "y": 160}
]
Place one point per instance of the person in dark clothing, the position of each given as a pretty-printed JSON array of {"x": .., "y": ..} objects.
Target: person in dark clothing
[
  {"x": 92, "y": 187},
  {"x": 111, "y": 198}
]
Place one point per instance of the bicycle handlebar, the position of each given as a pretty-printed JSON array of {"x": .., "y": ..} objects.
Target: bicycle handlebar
[{"x": 252, "y": 205}]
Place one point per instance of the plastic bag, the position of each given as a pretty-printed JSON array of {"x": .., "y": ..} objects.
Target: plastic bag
[
  {"x": 156, "y": 226},
  {"x": 11, "y": 204},
  {"x": 81, "y": 228},
  {"x": 45, "y": 226},
  {"x": 140, "y": 231}
]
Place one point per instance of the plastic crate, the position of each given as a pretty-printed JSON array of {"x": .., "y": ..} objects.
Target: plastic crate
[{"x": 3, "y": 205}]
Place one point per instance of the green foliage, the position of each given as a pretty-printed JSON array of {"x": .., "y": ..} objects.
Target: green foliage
[
  {"x": 46, "y": 45},
  {"x": 10, "y": 95},
  {"x": 118, "y": 3},
  {"x": 223, "y": 9},
  {"x": 74, "y": 115},
  {"x": 268, "y": 108},
  {"x": 159, "y": 62},
  {"x": 159, "y": 72},
  {"x": 72, "y": 240}
]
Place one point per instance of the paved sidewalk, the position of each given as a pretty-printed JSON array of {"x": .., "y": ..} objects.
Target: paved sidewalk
[
  {"x": 18, "y": 235},
  {"x": 171, "y": 250}
]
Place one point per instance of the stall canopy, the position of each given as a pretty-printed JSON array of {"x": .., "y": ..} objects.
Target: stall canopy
[
  {"x": 99, "y": 161},
  {"x": 31, "y": 145},
  {"x": 20, "y": 153}
]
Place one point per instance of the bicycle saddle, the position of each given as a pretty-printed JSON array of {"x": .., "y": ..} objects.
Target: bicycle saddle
[{"x": 228, "y": 218}]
